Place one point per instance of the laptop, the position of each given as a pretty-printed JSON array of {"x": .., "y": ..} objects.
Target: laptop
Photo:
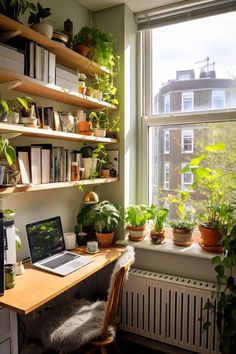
[{"x": 47, "y": 248}]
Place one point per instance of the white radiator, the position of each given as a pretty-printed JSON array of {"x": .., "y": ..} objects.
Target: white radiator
[{"x": 168, "y": 309}]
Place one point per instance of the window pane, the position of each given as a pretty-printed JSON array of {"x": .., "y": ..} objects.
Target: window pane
[
  {"x": 194, "y": 65},
  {"x": 164, "y": 176}
]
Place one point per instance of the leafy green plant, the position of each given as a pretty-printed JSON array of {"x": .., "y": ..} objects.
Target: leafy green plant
[
  {"x": 14, "y": 8},
  {"x": 105, "y": 216},
  {"x": 185, "y": 211},
  {"x": 14, "y": 105},
  {"x": 7, "y": 151},
  {"x": 99, "y": 119},
  {"x": 9, "y": 215},
  {"x": 98, "y": 153},
  {"x": 105, "y": 83},
  {"x": 138, "y": 215},
  {"x": 38, "y": 13},
  {"x": 224, "y": 300},
  {"x": 159, "y": 220},
  {"x": 215, "y": 184}
]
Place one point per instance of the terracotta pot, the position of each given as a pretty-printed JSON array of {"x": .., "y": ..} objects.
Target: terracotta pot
[
  {"x": 210, "y": 236},
  {"x": 136, "y": 233},
  {"x": 83, "y": 126},
  {"x": 105, "y": 173},
  {"x": 182, "y": 237},
  {"x": 157, "y": 237},
  {"x": 105, "y": 240},
  {"x": 82, "y": 49}
]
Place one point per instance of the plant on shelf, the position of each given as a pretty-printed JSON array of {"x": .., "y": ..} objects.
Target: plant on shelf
[
  {"x": 100, "y": 122},
  {"x": 95, "y": 44},
  {"x": 9, "y": 108},
  {"x": 157, "y": 232},
  {"x": 36, "y": 17},
  {"x": 184, "y": 223},
  {"x": 105, "y": 84},
  {"x": 7, "y": 159},
  {"x": 93, "y": 158},
  {"x": 136, "y": 217},
  {"x": 106, "y": 217},
  {"x": 223, "y": 302},
  {"x": 14, "y": 8},
  {"x": 216, "y": 187}
]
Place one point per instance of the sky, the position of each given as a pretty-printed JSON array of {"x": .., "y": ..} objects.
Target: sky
[{"x": 180, "y": 46}]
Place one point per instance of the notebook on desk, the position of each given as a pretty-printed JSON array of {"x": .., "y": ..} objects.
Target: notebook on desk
[{"x": 47, "y": 248}]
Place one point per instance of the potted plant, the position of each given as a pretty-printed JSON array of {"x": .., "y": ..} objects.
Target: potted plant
[
  {"x": 93, "y": 158},
  {"x": 223, "y": 301},
  {"x": 10, "y": 109},
  {"x": 82, "y": 41},
  {"x": 105, "y": 84},
  {"x": 36, "y": 17},
  {"x": 14, "y": 8},
  {"x": 106, "y": 217},
  {"x": 184, "y": 223},
  {"x": 100, "y": 122},
  {"x": 7, "y": 159},
  {"x": 157, "y": 233},
  {"x": 216, "y": 187},
  {"x": 136, "y": 217}
]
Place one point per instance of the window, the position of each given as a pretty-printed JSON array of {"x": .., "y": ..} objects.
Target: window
[
  {"x": 177, "y": 65},
  {"x": 186, "y": 179},
  {"x": 187, "y": 101},
  {"x": 187, "y": 141},
  {"x": 218, "y": 99},
  {"x": 166, "y": 142},
  {"x": 167, "y": 104},
  {"x": 166, "y": 175}
]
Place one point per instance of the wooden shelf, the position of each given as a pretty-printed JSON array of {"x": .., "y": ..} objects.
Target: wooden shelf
[
  {"x": 40, "y": 187},
  {"x": 65, "y": 56},
  {"x": 6, "y": 128},
  {"x": 35, "y": 87}
]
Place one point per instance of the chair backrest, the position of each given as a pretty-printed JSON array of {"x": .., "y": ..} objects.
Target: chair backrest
[{"x": 118, "y": 278}]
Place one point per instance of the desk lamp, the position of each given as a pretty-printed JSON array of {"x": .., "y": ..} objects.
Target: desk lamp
[{"x": 91, "y": 198}]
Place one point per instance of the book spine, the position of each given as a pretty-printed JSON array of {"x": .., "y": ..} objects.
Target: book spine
[{"x": 52, "y": 68}]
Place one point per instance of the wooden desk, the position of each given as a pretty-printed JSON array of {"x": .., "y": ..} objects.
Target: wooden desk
[{"x": 36, "y": 287}]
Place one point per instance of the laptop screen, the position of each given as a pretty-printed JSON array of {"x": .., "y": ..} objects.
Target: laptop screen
[{"x": 45, "y": 238}]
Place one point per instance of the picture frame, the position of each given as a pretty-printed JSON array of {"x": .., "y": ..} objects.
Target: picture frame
[{"x": 57, "y": 121}]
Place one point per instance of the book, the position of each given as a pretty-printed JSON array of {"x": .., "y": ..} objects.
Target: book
[
  {"x": 51, "y": 68},
  {"x": 46, "y": 162},
  {"x": 31, "y": 55},
  {"x": 36, "y": 164},
  {"x": 38, "y": 62},
  {"x": 44, "y": 65},
  {"x": 23, "y": 156}
]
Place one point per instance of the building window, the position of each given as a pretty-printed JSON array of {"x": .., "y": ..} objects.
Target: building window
[
  {"x": 218, "y": 99},
  {"x": 186, "y": 179},
  {"x": 166, "y": 142},
  {"x": 167, "y": 104},
  {"x": 192, "y": 124},
  {"x": 187, "y": 141},
  {"x": 166, "y": 175},
  {"x": 187, "y": 101}
]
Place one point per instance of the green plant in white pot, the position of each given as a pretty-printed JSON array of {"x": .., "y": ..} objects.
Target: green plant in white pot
[
  {"x": 36, "y": 17},
  {"x": 7, "y": 158},
  {"x": 106, "y": 217}
]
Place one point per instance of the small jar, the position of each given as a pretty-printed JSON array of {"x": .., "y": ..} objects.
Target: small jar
[{"x": 75, "y": 175}]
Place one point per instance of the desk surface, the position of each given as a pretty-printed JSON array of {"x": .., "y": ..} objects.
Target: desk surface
[{"x": 35, "y": 287}]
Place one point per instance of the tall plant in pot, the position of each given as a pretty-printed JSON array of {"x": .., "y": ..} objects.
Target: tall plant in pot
[
  {"x": 184, "y": 223},
  {"x": 136, "y": 217},
  {"x": 93, "y": 158},
  {"x": 217, "y": 189},
  {"x": 106, "y": 217},
  {"x": 7, "y": 159},
  {"x": 157, "y": 232},
  {"x": 36, "y": 17}
]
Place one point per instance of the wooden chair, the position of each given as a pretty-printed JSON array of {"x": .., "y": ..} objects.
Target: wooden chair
[{"x": 100, "y": 337}]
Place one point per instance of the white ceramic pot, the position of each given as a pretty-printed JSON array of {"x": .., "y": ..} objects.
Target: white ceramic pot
[
  {"x": 98, "y": 95},
  {"x": 44, "y": 28},
  {"x": 13, "y": 118},
  {"x": 90, "y": 165}
]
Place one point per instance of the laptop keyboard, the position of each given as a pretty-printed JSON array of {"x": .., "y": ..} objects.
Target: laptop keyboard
[{"x": 57, "y": 262}]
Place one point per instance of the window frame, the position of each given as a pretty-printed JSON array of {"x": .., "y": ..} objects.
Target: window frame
[
  {"x": 166, "y": 142},
  {"x": 187, "y": 95},
  {"x": 185, "y": 132},
  {"x": 214, "y": 93}
]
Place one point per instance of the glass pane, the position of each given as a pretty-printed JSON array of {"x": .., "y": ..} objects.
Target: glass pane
[
  {"x": 164, "y": 169},
  {"x": 194, "y": 65}
]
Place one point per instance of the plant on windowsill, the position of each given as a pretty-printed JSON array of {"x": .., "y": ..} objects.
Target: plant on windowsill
[
  {"x": 36, "y": 17},
  {"x": 157, "y": 232},
  {"x": 223, "y": 301},
  {"x": 184, "y": 224},
  {"x": 136, "y": 217},
  {"x": 217, "y": 188},
  {"x": 106, "y": 217}
]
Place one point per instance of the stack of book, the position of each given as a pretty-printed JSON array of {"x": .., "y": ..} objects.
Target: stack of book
[
  {"x": 11, "y": 59},
  {"x": 66, "y": 79}
]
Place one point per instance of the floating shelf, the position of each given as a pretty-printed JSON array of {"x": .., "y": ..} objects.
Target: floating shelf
[
  {"x": 65, "y": 56},
  {"x": 22, "y": 188},
  {"x": 39, "y": 88},
  {"x": 6, "y": 128}
]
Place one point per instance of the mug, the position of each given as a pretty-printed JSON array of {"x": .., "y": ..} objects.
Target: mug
[
  {"x": 81, "y": 238},
  {"x": 10, "y": 276},
  {"x": 70, "y": 240},
  {"x": 92, "y": 247}
]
